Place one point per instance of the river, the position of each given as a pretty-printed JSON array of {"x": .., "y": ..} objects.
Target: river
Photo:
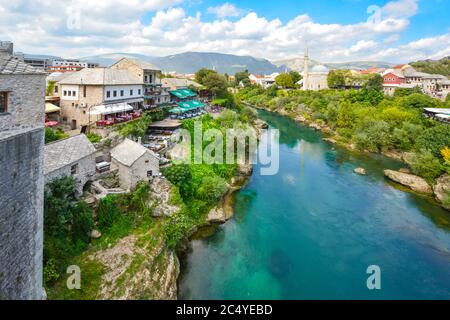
[{"x": 312, "y": 230}]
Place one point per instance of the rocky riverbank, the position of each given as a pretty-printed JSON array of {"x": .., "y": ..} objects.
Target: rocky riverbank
[{"x": 440, "y": 190}]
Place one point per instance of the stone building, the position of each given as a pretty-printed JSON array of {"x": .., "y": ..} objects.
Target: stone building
[
  {"x": 22, "y": 98},
  {"x": 82, "y": 90},
  {"x": 135, "y": 163},
  {"x": 72, "y": 157},
  {"x": 154, "y": 92},
  {"x": 316, "y": 79}
]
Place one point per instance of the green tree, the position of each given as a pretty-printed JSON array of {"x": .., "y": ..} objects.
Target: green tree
[
  {"x": 374, "y": 135},
  {"x": 296, "y": 77},
  {"x": 434, "y": 139},
  {"x": 216, "y": 83},
  {"x": 375, "y": 82},
  {"x": 244, "y": 77},
  {"x": 419, "y": 101},
  {"x": 284, "y": 80},
  {"x": 107, "y": 212},
  {"x": 50, "y": 87},
  {"x": 180, "y": 176},
  {"x": 427, "y": 166},
  {"x": 336, "y": 79},
  {"x": 346, "y": 117},
  {"x": 201, "y": 75}
]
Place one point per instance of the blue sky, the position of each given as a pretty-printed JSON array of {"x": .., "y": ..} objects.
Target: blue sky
[
  {"x": 433, "y": 16},
  {"x": 335, "y": 30}
]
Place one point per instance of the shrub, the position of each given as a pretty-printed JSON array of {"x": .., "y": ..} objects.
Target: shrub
[
  {"x": 212, "y": 189},
  {"x": 434, "y": 139},
  {"x": 180, "y": 176},
  {"x": 54, "y": 135},
  {"x": 107, "y": 212},
  {"x": 427, "y": 166},
  {"x": 374, "y": 136},
  {"x": 94, "y": 138}
]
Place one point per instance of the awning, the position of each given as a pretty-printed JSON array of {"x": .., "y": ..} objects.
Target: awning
[
  {"x": 183, "y": 93},
  {"x": 191, "y": 105},
  {"x": 177, "y": 110},
  {"x": 50, "y": 108},
  {"x": 438, "y": 110},
  {"x": 111, "y": 109}
]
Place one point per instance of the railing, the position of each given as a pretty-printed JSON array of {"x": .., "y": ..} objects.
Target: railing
[{"x": 118, "y": 119}]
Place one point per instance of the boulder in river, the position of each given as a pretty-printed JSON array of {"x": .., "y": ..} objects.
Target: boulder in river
[
  {"x": 411, "y": 181},
  {"x": 360, "y": 171}
]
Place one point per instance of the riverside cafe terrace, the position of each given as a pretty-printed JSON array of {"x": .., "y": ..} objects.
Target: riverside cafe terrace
[
  {"x": 108, "y": 115},
  {"x": 186, "y": 106},
  {"x": 188, "y": 109}
]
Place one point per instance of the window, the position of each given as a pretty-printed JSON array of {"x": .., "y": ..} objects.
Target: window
[
  {"x": 151, "y": 78},
  {"x": 74, "y": 169},
  {"x": 108, "y": 94},
  {"x": 114, "y": 93},
  {"x": 139, "y": 92},
  {"x": 56, "y": 89},
  {"x": 65, "y": 93},
  {"x": 121, "y": 93},
  {"x": 84, "y": 91},
  {"x": 131, "y": 92},
  {"x": 146, "y": 78},
  {"x": 74, "y": 94},
  {"x": 69, "y": 93},
  {"x": 149, "y": 174},
  {"x": 3, "y": 102}
]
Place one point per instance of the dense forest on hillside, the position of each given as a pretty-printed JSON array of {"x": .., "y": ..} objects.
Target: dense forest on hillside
[{"x": 434, "y": 66}]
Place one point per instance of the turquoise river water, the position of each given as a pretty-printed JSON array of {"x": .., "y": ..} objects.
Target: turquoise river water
[{"x": 312, "y": 230}]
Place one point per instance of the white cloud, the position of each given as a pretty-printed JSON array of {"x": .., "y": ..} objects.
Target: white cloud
[
  {"x": 118, "y": 26},
  {"x": 225, "y": 10},
  {"x": 400, "y": 9}
]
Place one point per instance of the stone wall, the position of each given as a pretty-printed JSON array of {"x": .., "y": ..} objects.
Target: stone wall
[
  {"x": 22, "y": 186},
  {"x": 21, "y": 215},
  {"x": 85, "y": 173},
  {"x": 26, "y": 102},
  {"x": 130, "y": 176}
]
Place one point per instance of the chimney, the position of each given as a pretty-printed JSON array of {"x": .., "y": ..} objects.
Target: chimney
[{"x": 6, "y": 48}]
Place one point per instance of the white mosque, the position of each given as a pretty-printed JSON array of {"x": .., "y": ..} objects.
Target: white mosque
[{"x": 316, "y": 79}]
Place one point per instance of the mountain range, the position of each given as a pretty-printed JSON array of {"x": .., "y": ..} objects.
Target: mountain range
[
  {"x": 190, "y": 62},
  {"x": 297, "y": 64}
]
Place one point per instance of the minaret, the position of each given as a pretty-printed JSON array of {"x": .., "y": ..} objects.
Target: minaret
[{"x": 306, "y": 69}]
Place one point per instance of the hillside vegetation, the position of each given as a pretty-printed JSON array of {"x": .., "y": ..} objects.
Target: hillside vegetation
[
  {"x": 434, "y": 66},
  {"x": 369, "y": 121}
]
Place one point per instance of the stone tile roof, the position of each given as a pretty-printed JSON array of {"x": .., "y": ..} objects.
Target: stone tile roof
[
  {"x": 102, "y": 76},
  {"x": 12, "y": 65},
  {"x": 410, "y": 72},
  {"x": 128, "y": 152},
  {"x": 179, "y": 83},
  {"x": 66, "y": 152},
  {"x": 144, "y": 65}
]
